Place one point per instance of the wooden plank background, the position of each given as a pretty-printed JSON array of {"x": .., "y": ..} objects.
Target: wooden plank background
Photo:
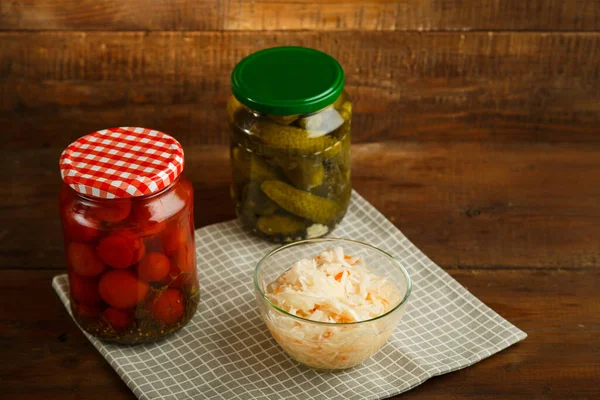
[
  {"x": 259, "y": 15},
  {"x": 476, "y": 131},
  {"x": 430, "y": 86}
]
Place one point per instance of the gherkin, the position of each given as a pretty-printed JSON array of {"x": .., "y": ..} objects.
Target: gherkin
[
  {"x": 283, "y": 119},
  {"x": 293, "y": 140},
  {"x": 301, "y": 203},
  {"x": 346, "y": 110},
  {"x": 333, "y": 183},
  {"x": 304, "y": 173},
  {"x": 255, "y": 201},
  {"x": 281, "y": 225},
  {"x": 343, "y": 157},
  {"x": 252, "y": 166}
]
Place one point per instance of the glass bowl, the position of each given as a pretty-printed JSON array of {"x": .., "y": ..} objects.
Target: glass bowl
[{"x": 324, "y": 345}]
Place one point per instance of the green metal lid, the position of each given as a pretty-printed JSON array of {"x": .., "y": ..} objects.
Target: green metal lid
[{"x": 287, "y": 80}]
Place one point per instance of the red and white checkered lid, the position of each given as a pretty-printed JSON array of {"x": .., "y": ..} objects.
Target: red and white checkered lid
[{"x": 120, "y": 163}]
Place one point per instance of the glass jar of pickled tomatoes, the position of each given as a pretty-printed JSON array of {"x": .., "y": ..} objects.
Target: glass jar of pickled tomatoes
[{"x": 127, "y": 217}]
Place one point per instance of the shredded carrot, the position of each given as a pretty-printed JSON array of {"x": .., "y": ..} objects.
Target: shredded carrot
[
  {"x": 350, "y": 258},
  {"x": 338, "y": 276}
]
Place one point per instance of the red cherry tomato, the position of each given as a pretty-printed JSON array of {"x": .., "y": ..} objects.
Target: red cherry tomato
[
  {"x": 172, "y": 276},
  {"x": 185, "y": 191},
  {"x": 113, "y": 210},
  {"x": 167, "y": 307},
  {"x": 154, "y": 267},
  {"x": 121, "y": 250},
  {"x": 84, "y": 290},
  {"x": 83, "y": 259},
  {"x": 80, "y": 225},
  {"x": 151, "y": 214},
  {"x": 122, "y": 289},
  {"x": 178, "y": 278},
  {"x": 150, "y": 217},
  {"x": 175, "y": 238},
  {"x": 175, "y": 201},
  {"x": 149, "y": 228},
  {"x": 186, "y": 259},
  {"x": 118, "y": 319}
]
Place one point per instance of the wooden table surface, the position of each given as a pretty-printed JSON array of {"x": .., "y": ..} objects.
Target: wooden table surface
[
  {"x": 476, "y": 132},
  {"x": 517, "y": 225}
]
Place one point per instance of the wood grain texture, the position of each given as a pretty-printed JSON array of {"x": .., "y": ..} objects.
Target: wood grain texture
[
  {"x": 433, "y": 86},
  {"x": 466, "y": 205},
  {"x": 560, "y": 359},
  {"x": 388, "y": 15},
  {"x": 475, "y": 130}
]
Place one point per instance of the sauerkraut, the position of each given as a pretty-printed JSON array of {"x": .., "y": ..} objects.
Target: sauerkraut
[{"x": 340, "y": 293}]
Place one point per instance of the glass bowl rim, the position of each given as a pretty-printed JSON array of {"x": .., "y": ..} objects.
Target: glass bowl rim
[{"x": 393, "y": 259}]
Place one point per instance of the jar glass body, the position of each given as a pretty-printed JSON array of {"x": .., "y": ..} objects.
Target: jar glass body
[
  {"x": 131, "y": 262},
  {"x": 291, "y": 174}
]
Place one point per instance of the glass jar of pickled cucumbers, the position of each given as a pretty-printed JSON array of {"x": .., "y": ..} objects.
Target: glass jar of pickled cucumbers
[{"x": 289, "y": 120}]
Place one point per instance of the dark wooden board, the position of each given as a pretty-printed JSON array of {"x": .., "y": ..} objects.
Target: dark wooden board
[
  {"x": 464, "y": 204},
  {"x": 46, "y": 356},
  {"x": 57, "y": 86},
  {"x": 415, "y": 15}
]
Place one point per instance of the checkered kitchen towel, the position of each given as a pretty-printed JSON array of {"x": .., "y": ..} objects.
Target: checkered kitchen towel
[{"x": 226, "y": 351}]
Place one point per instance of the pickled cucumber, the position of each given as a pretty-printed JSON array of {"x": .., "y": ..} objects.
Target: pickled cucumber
[
  {"x": 301, "y": 203},
  {"x": 293, "y": 140},
  {"x": 283, "y": 119},
  {"x": 333, "y": 182},
  {"x": 343, "y": 157},
  {"x": 302, "y": 172},
  {"x": 281, "y": 225},
  {"x": 255, "y": 201},
  {"x": 346, "y": 110},
  {"x": 251, "y": 166}
]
